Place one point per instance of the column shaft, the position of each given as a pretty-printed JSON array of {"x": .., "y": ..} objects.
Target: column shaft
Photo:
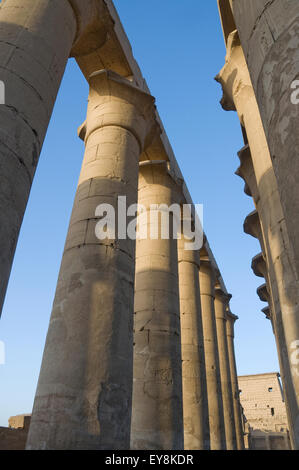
[
  {"x": 157, "y": 414},
  {"x": 215, "y": 403},
  {"x": 83, "y": 398},
  {"x": 195, "y": 399},
  {"x": 221, "y": 300},
  {"x": 234, "y": 382},
  {"x": 276, "y": 25},
  {"x": 279, "y": 251},
  {"x": 280, "y": 259},
  {"x": 36, "y": 39}
]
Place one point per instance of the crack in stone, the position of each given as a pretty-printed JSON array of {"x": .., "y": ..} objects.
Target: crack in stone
[
  {"x": 21, "y": 115},
  {"x": 268, "y": 4},
  {"x": 20, "y": 160},
  {"x": 23, "y": 80},
  {"x": 39, "y": 63},
  {"x": 111, "y": 246}
]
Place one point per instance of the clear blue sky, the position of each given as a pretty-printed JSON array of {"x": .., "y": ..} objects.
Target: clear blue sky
[{"x": 180, "y": 48}]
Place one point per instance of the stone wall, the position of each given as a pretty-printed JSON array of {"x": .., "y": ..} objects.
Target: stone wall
[
  {"x": 15, "y": 436},
  {"x": 259, "y": 440},
  {"x": 262, "y": 399}
]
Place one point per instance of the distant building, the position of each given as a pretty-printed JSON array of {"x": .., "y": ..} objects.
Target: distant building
[
  {"x": 262, "y": 399},
  {"x": 15, "y": 436}
]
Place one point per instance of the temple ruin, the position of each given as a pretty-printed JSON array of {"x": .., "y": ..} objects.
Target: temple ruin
[{"x": 140, "y": 347}]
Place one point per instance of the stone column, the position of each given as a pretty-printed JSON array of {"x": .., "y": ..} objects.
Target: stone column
[
  {"x": 36, "y": 39},
  {"x": 157, "y": 412},
  {"x": 215, "y": 403},
  {"x": 221, "y": 303},
  {"x": 274, "y": 25},
  {"x": 33, "y": 58},
  {"x": 252, "y": 226},
  {"x": 277, "y": 245},
  {"x": 234, "y": 379},
  {"x": 195, "y": 398},
  {"x": 260, "y": 263},
  {"x": 83, "y": 398}
]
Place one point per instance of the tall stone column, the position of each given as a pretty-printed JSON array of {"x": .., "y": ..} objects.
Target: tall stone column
[
  {"x": 157, "y": 411},
  {"x": 275, "y": 26},
  {"x": 36, "y": 39},
  {"x": 239, "y": 95},
  {"x": 221, "y": 304},
  {"x": 252, "y": 226},
  {"x": 195, "y": 398},
  {"x": 215, "y": 403},
  {"x": 234, "y": 379},
  {"x": 83, "y": 398}
]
